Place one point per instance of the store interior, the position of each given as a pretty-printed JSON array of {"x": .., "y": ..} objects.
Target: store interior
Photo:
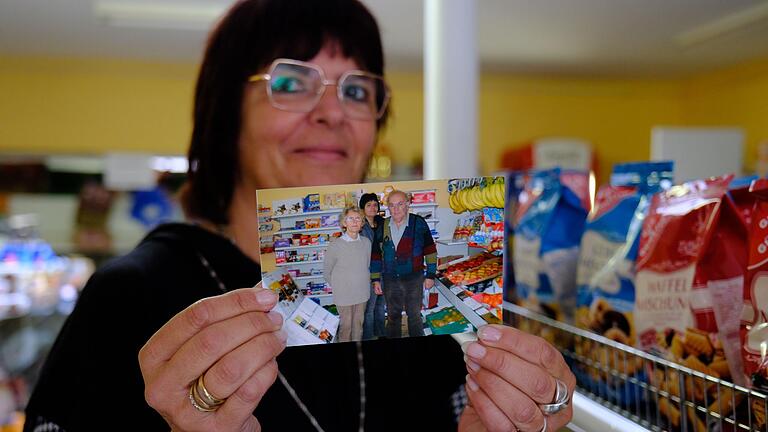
[{"x": 95, "y": 123}]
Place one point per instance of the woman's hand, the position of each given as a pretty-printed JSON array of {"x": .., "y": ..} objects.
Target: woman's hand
[
  {"x": 510, "y": 374},
  {"x": 232, "y": 340},
  {"x": 377, "y": 288}
]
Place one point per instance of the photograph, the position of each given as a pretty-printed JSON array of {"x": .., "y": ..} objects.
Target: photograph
[{"x": 384, "y": 260}]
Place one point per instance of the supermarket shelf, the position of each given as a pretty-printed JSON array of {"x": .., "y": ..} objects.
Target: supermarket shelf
[
  {"x": 301, "y": 247},
  {"x": 451, "y": 242},
  {"x": 639, "y": 386},
  {"x": 297, "y": 263},
  {"x": 465, "y": 310},
  {"x": 308, "y": 277},
  {"x": 320, "y": 212},
  {"x": 310, "y": 230}
]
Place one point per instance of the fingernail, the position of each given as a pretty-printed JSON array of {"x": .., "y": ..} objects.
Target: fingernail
[
  {"x": 276, "y": 318},
  {"x": 281, "y": 335},
  {"x": 472, "y": 384},
  {"x": 476, "y": 350},
  {"x": 472, "y": 365},
  {"x": 266, "y": 297},
  {"x": 490, "y": 334}
]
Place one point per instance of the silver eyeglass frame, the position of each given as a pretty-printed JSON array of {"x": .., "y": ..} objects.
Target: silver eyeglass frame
[{"x": 325, "y": 83}]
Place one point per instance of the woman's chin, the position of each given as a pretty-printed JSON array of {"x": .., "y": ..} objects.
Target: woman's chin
[{"x": 327, "y": 176}]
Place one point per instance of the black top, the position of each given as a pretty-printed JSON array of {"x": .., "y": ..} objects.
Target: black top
[{"x": 91, "y": 379}]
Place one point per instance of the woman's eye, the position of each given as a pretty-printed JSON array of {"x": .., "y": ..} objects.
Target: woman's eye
[
  {"x": 356, "y": 93},
  {"x": 287, "y": 84}
]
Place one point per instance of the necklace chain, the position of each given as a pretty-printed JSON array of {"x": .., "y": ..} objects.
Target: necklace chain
[{"x": 286, "y": 384}]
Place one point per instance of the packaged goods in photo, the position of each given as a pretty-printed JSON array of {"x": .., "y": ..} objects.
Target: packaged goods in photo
[
  {"x": 548, "y": 227},
  {"x": 606, "y": 269},
  {"x": 690, "y": 268}
]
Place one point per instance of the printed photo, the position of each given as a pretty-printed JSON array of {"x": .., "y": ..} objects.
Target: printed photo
[{"x": 384, "y": 260}]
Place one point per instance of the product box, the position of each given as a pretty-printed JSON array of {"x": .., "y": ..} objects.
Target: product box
[
  {"x": 280, "y": 257},
  {"x": 311, "y": 202},
  {"x": 333, "y": 200},
  {"x": 282, "y": 242},
  {"x": 287, "y": 207},
  {"x": 328, "y": 221},
  {"x": 423, "y": 197},
  {"x": 312, "y": 223}
]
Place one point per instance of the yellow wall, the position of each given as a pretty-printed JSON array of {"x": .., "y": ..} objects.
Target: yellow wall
[
  {"x": 732, "y": 96},
  {"x": 94, "y": 105}
]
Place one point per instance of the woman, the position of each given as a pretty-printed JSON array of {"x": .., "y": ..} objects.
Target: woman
[
  {"x": 373, "y": 324},
  {"x": 346, "y": 267},
  {"x": 170, "y": 336}
]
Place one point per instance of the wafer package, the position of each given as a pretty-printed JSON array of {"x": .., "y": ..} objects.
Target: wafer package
[
  {"x": 754, "y": 320},
  {"x": 548, "y": 226},
  {"x": 690, "y": 267}
]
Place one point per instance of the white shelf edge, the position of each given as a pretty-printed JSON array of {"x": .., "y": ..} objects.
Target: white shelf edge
[
  {"x": 301, "y": 247},
  {"x": 297, "y": 263},
  {"x": 319, "y": 212},
  {"x": 297, "y": 231},
  {"x": 308, "y": 277}
]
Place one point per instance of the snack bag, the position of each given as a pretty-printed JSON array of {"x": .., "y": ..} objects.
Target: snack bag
[
  {"x": 606, "y": 268},
  {"x": 690, "y": 268},
  {"x": 549, "y": 223},
  {"x": 515, "y": 182},
  {"x": 754, "y": 319}
]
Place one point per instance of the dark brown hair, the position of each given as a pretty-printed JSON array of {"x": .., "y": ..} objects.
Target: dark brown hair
[{"x": 247, "y": 39}]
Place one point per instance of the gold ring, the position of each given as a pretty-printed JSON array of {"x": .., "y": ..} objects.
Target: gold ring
[
  {"x": 202, "y": 399},
  {"x": 205, "y": 395}
]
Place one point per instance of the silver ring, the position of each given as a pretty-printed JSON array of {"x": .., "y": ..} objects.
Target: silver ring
[
  {"x": 562, "y": 397},
  {"x": 544, "y": 428}
]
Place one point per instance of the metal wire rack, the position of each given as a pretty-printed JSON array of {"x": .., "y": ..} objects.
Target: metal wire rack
[{"x": 653, "y": 392}]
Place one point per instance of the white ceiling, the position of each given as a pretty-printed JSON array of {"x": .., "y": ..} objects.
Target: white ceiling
[{"x": 607, "y": 37}]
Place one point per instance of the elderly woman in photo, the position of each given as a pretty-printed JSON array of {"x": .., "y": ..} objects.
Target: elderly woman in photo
[{"x": 346, "y": 268}]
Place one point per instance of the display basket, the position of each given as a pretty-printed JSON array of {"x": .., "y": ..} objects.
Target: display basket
[{"x": 655, "y": 393}]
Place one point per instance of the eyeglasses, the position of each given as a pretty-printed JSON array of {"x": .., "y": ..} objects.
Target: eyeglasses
[
  {"x": 354, "y": 219},
  {"x": 298, "y": 86}
]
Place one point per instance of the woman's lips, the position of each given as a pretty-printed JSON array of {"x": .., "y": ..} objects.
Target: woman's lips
[{"x": 323, "y": 155}]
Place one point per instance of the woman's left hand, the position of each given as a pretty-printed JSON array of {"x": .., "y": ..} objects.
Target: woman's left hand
[{"x": 511, "y": 373}]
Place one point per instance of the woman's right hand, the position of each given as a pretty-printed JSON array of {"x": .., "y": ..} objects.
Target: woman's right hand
[{"x": 233, "y": 340}]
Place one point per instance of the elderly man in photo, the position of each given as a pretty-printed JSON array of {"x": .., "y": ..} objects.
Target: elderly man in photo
[{"x": 398, "y": 262}]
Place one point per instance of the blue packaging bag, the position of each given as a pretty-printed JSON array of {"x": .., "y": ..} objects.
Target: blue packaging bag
[{"x": 549, "y": 223}]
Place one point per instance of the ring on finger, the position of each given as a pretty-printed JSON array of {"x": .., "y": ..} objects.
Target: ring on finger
[
  {"x": 202, "y": 399},
  {"x": 562, "y": 397}
]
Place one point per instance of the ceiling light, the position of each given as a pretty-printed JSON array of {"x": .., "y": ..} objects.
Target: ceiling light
[
  {"x": 166, "y": 14},
  {"x": 723, "y": 25}
]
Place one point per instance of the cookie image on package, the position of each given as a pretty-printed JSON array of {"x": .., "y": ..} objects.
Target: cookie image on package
[{"x": 698, "y": 342}]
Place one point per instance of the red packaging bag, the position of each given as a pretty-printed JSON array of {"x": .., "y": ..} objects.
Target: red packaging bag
[
  {"x": 690, "y": 266},
  {"x": 754, "y": 319}
]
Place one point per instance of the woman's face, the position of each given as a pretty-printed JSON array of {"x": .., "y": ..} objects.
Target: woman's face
[
  {"x": 353, "y": 222},
  {"x": 285, "y": 149},
  {"x": 371, "y": 209}
]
